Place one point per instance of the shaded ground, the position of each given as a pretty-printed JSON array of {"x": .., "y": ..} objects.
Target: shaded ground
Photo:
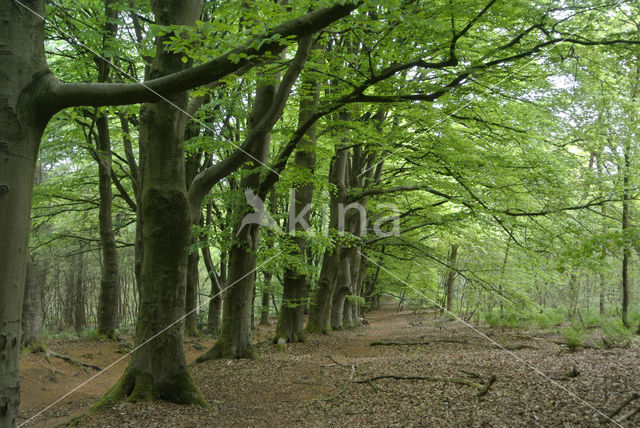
[{"x": 541, "y": 384}]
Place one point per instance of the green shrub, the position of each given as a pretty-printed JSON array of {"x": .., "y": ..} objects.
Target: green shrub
[
  {"x": 615, "y": 333},
  {"x": 548, "y": 318},
  {"x": 575, "y": 337}
]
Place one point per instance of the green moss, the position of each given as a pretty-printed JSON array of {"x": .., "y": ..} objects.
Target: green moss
[
  {"x": 314, "y": 328},
  {"x": 34, "y": 347}
]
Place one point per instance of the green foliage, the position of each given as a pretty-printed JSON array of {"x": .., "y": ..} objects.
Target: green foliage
[{"x": 575, "y": 337}]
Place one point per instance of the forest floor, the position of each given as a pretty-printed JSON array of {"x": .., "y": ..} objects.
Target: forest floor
[{"x": 538, "y": 381}]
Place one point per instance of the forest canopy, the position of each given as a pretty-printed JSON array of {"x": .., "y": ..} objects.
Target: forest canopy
[{"x": 175, "y": 169}]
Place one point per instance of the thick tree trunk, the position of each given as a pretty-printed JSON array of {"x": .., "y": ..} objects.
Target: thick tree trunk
[
  {"x": 321, "y": 306},
  {"x": 23, "y": 117},
  {"x": 32, "y": 316},
  {"x": 158, "y": 370},
  {"x": 296, "y": 285},
  {"x": 110, "y": 281}
]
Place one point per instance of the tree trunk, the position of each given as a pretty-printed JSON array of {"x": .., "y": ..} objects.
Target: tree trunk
[
  {"x": 626, "y": 247},
  {"x": 110, "y": 281},
  {"x": 264, "y": 308},
  {"x": 23, "y": 117},
  {"x": 158, "y": 369},
  {"x": 32, "y": 315},
  {"x": 217, "y": 284},
  {"x": 296, "y": 284},
  {"x": 191, "y": 320},
  {"x": 321, "y": 306},
  {"x": 451, "y": 277},
  {"x": 237, "y": 311},
  {"x": 79, "y": 298}
]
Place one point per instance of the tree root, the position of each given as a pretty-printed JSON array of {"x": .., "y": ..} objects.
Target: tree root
[
  {"x": 48, "y": 353},
  {"x": 483, "y": 388}
]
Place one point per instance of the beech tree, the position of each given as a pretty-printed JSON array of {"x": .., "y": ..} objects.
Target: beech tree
[{"x": 30, "y": 96}]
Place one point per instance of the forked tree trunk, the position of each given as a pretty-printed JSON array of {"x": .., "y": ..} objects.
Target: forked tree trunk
[
  {"x": 237, "y": 311},
  {"x": 321, "y": 306},
  {"x": 215, "y": 297},
  {"x": 22, "y": 119},
  {"x": 158, "y": 369}
]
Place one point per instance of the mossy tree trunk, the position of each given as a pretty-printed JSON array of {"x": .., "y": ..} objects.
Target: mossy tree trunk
[
  {"x": 321, "y": 306},
  {"x": 158, "y": 368},
  {"x": 296, "y": 284}
]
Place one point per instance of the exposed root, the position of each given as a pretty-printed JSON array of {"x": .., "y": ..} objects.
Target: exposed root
[{"x": 48, "y": 353}]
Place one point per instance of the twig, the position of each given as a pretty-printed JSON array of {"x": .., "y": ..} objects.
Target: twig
[
  {"x": 344, "y": 388},
  {"x": 487, "y": 386},
  {"x": 397, "y": 343}
]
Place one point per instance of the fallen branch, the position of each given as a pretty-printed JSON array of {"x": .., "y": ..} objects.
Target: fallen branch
[
  {"x": 515, "y": 347},
  {"x": 49, "y": 353},
  {"x": 487, "y": 386},
  {"x": 624, "y": 404},
  {"x": 482, "y": 387},
  {"x": 385, "y": 343},
  {"x": 382, "y": 343},
  {"x": 344, "y": 388}
]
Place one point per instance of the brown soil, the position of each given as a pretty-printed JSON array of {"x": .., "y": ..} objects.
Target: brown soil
[{"x": 303, "y": 386}]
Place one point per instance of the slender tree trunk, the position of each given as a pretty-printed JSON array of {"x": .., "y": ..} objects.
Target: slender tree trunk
[
  {"x": 79, "y": 300},
  {"x": 235, "y": 332},
  {"x": 296, "y": 285},
  {"x": 626, "y": 246},
  {"x": 191, "y": 301},
  {"x": 264, "y": 308},
  {"x": 453, "y": 253},
  {"x": 110, "y": 281},
  {"x": 217, "y": 282}
]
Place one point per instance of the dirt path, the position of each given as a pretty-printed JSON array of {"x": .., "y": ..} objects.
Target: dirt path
[{"x": 303, "y": 386}]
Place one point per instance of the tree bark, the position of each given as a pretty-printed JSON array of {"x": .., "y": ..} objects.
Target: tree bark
[
  {"x": 22, "y": 119},
  {"x": 296, "y": 285},
  {"x": 235, "y": 332},
  {"x": 32, "y": 315},
  {"x": 626, "y": 246},
  {"x": 110, "y": 280},
  {"x": 217, "y": 284},
  {"x": 453, "y": 254},
  {"x": 158, "y": 369},
  {"x": 321, "y": 307},
  {"x": 264, "y": 308}
]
